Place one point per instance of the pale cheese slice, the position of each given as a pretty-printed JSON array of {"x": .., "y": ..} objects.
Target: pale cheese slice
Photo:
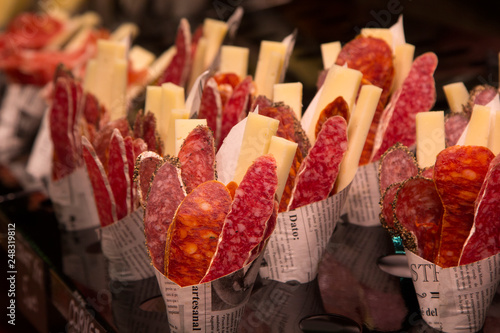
[
  {"x": 430, "y": 137},
  {"x": 117, "y": 92},
  {"x": 269, "y": 65},
  {"x": 283, "y": 151},
  {"x": 403, "y": 59},
  {"x": 291, "y": 95},
  {"x": 140, "y": 57},
  {"x": 175, "y": 114},
  {"x": 214, "y": 31},
  {"x": 172, "y": 97},
  {"x": 479, "y": 127},
  {"x": 256, "y": 139},
  {"x": 357, "y": 131},
  {"x": 198, "y": 62},
  {"x": 125, "y": 30},
  {"x": 494, "y": 137},
  {"x": 456, "y": 95},
  {"x": 90, "y": 76},
  {"x": 182, "y": 129},
  {"x": 153, "y": 100},
  {"x": 340, "y": 81},
  {"x": 234, "y": 59},
  {"x": 329, "y": 53}
]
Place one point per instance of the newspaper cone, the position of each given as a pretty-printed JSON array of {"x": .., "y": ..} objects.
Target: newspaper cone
[
  {"x": 215, "y": 306},
  {"x": 455, "y": 299},
  {"x": 122, "y": 244}
]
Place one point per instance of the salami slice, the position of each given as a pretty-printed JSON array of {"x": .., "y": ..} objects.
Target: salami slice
[
  {"x": 396, "y": 165},
  {"x": 194, "y": 233},
  {"x": 417, "y": 94},
  {"x": 197, "y": 158},
  {"x": 418, "y": 214},
  {"x": 130, "y": 157},
  {"x": 139, "y": 146},
  {"x": 318, "y": 171},
  {"x": 454, "y": 126},
  {"x": 177, "y": 71},
  {"x": 338, "y": 107},
  {"x": 211, "y": 108},
  {"x": 261, "y": 102},
  {"x": 118, "y": 175},
  {"x": 91, "y": 109},
  {"x": 102, "y": 191},
  {"x": 387, "y": 207},
  {"x": 459, "y": 173},
  {"x": 479, "y": 95},
  {"x": 245, "y": 225},
  {"x": 103, "y": 136},
  {"x": 428, "y": 172},
  {"x": 145, "y": 166},
  {"x": 235, "y": 108},
  {"x": 484, "y": 240},
  {"x": 164, "y": 196},
  {"x": 270, "y": 226}
]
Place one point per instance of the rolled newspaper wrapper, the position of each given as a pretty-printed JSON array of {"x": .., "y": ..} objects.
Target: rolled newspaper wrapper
[
  {"x": 215, "y": 306},
  {"x": 455, "y": 299},
  {"x": 123, "y": 246}
]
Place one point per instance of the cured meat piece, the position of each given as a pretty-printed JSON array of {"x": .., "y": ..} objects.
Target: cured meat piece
[
  {"x": 102, "y": 191},
  {"x": 396, "y": 165},
  {"x": 235, "y": 108},
  {"x": 270, "y": 226},
  {"x": 198, "y": 33},
  {"x": 130, "y": 155},
  {"x": 245, "y": 224},
  {"x": 118, "y": 174},
  {"x": 145, "y": 128},
  {"x": 194, "y": 233},
  {"x": 227, "y": 78},
  {"x": 484, "y": 239},
  {"x": 261, "y": 101},
  {"x": 290, "y": 181},
  {"x": 138, "y": 128},
  {"x": 91, "y": 110},
  {"x": 139, "y": 146},
  {"x": 366, "y": 154},
  {"x": 103, "y": 136},
  {"x": 459, "y": 173},
  {"x": 479, "y": 95},
  {"x": 338, "y": 107},
  {"x": 318, "y": 171},
  {"x": 417, "y": 94},
  {"x": 164, "y": 196},
  {"x": 387, "y": 207},
  {"x": 145, "y": 166},
  {"x": 177, "y": 71},
  {"x": 197, "y": 158},
  {"x": 211, "y": 108},
  {"x": 428, "y": 172},
  {"x": 454, "y": 126},
  {"x": 418, "y": 214}
]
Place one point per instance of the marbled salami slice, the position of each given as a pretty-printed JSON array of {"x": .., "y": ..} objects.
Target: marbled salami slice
[
  {"x": 479, "y": 95},
  {"x": 484, "y": 239},
  {"x": 235, "y": 108},
  {"x": 130, "y": 155},
  {"x": 270, "y": 226},
  {"x": 245, "y": 225},
  {"x": 118, "y": 174},
  {"x": 427, "y": 172},
  {"x": 338, "y": 107},
  {"x": 396, "y": 165},
  {"x": 318, "y": 171},
  {"x": 211, "y": 108},
  {"x": 194, "y": 233},
  {"x": 146, "y": 165},
  {"x": 387, "y": 207},
  {"x": 103, "y": 136},
  {"x": 139, "y": 146},
  {"x": 454, "y": 126},
  {"x": 164, "y": 196},
  {"x": 418, "y": 214},
  {"x": 177, "y": 71},
  {"x": 261, "y": 101},
  {"x": 417, "y": 94},
  {"x": 197, "y": 158},
  {"x": 459, "y": 173},
  {"x": 102, "y": 191}
]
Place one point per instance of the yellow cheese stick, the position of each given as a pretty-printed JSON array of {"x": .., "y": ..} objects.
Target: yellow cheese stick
[
  {"x": 214, "y": 31},
  {"x": 117, "y": 92},
  {"x": 175, "y": 114},
  {"x": 456, "y": 95},
  {"x": 256, "y": 139},
  {"x": 403, "y": 59},
  {"x": 172, "y": 97},
  {"x": 340, "y": 81},
  {"x": 269, "y": 65},
  {"x": 125, "y": 30},
  {"x": 283, "y": 151},
  {"x": 430, "y": 137},
  {"x": 198, "y": 62},
  {"x": 153, "y": 101},
  {"x": 234, "y": 59},
  {"x": 291, "y": 95},
  {"x": 329, "y": 53},
  {"x": 357, "y": 130},
  {"x": 90, "y": 76},
  {"x": 479, "y": 127},
  {"x": 494, "y": 137},
  {"x": 140, "y": 57},
  {"x": 182, "y": 128}
]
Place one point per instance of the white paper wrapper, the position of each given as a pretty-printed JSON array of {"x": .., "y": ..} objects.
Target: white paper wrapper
[
  {"x": 455, "y": 299},
  {"x": 123, "y": 245},
  {"x": 74, "y": 202},
  {"x": 215, "y": 306}
]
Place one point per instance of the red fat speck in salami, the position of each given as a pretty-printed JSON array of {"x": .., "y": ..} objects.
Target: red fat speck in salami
[
  {"x": 245, "y": 224},
  {"x": 118, "y": 175},
  {"x": 454, "y": 126},
  {"x": 319, "y": 170},
  {"x": 164, "y": 196},
  {"x": 235, "y": 108},
  {"x": 418, "y": 214},
  {"x": 211, "y": 107},
  {"x": 484, "y": 239},
  {"x": 459, "y": 173},
  {"x": 194, "y": 233},
  {"x": 102, "y": 191},
  {"x": 145, "y": 166},
  {"x": 197, "y": 158},
  {"x": 338, "y": 107},
  {"x": 417, "y": 94},
  {"x": 387, "y": 206},
  {"x": 396, "y": 165},
  {"x": 177, "y": 71}
]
